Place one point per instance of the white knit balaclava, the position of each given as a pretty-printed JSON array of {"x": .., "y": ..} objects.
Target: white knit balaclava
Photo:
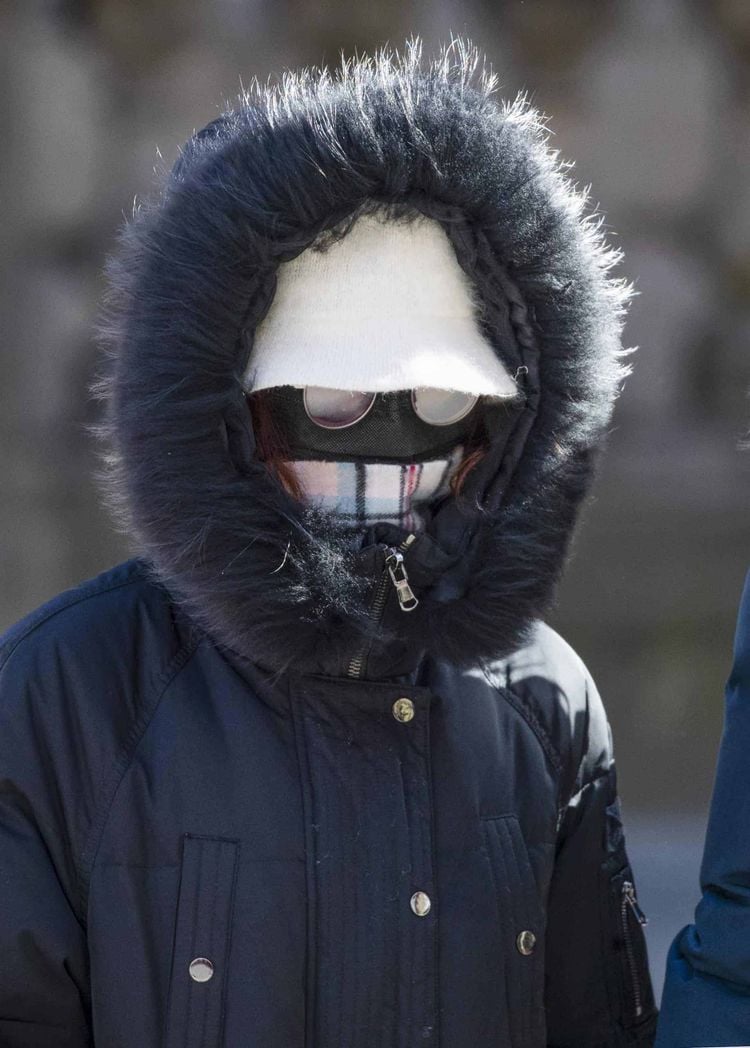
[{"x": 385, "y": 308}]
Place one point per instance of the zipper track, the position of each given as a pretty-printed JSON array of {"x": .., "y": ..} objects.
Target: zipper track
[
  {"x": 377, "y": 607},
  {"x": 629, "y": 901}
]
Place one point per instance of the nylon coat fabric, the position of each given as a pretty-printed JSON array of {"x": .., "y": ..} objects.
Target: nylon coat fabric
[
  {"x": 165, "y": 801},
  {"x": 707, "y": 987},
  {"x": 246, "y": 800}
]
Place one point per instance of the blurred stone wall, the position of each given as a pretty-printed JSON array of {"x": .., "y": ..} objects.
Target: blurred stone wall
[{"x": 649, "y": 97}]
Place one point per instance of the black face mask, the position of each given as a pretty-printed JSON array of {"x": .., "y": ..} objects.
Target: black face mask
[{"x": 391, "y": 431}]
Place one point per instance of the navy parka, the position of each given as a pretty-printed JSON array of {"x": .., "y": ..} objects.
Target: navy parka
[
  {"x": 707, "y": 988},
  {"x": 162, "y": 801},
  {"x": 244, "y": 799}
]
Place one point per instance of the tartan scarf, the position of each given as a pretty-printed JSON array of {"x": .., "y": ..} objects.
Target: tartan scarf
[{"x": 362, "y": 493}]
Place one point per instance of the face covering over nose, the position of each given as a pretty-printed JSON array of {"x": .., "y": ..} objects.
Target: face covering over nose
[
  {"x": 385, "y": 309},
  {"x": 361, "y": 494}
]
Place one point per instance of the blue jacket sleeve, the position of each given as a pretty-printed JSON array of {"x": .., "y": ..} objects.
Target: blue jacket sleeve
[{"x": 706, "y": 998}]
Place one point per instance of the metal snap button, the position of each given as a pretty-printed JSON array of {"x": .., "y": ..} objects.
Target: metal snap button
[
  {"x": 201, "y": 969},
  {"x": 525, "y": 942},
  {"x": 403, "y": 710},
  {"x": 420, "y": 903}
]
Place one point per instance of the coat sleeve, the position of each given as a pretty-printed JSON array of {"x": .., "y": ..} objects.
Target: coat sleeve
[
  {"x": 43, "y": 957},
  {"x": 707, "y": 989},
  {"x": 598, "y": 987}
]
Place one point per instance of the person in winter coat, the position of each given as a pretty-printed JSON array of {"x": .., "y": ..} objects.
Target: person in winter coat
[
  {"x": 310, "y": 769},
  {"x": 706, "y": 1001}
]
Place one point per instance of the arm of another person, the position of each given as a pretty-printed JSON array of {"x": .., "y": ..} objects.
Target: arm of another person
[{"x": 706, "y": 1001}]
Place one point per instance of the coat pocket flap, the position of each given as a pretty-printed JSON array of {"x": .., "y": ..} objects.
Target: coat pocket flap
[
  {"x": 521, "y": 926},
  {"x": 202, "y": 935},
  {"x": 512, "y": 869}
]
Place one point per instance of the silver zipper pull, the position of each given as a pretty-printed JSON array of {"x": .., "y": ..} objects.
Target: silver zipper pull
[
  {"x": 406, "y": 597},
  {"x": 628, "y": 890}
]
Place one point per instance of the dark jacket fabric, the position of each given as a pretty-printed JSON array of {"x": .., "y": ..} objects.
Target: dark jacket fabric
[
  {"x": 164, "y": 800},
  {"x": 244, "y": 799},
  {"x": 706, "y": 998}
]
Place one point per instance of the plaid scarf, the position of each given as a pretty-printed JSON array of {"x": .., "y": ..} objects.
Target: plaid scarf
[{"x": 362, "y": 493}]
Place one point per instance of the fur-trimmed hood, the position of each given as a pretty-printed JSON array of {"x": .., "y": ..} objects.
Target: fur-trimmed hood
[{"x": 194, "y": 274}]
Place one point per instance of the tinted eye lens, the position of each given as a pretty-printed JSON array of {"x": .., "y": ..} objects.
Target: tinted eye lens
[
  {"x": 336, "y": 408},
  {"x": 441, "y": 407}
]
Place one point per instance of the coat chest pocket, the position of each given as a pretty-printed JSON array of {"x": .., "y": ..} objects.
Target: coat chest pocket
[
  {"x": 202, "y": 936},
  {"x": 521, "y": 922}
]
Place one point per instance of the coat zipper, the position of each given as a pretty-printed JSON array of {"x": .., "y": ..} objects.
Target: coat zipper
[
  {"x": 394, "y": 572},
  {"x": 629, "y": 900}
]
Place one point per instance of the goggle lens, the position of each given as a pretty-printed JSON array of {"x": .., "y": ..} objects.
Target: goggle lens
[
  {"x": 339, "y": 408},
  {"x": 336, "y": 408},
  {"x": 442, "y": 407}
]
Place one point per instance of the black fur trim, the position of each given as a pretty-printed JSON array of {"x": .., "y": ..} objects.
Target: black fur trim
[{"x": 195, "y": 272}]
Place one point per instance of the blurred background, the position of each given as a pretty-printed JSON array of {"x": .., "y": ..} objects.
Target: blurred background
[{"x": 651, "y": 98}]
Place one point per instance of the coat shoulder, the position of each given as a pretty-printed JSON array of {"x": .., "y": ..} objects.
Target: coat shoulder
[
  {"x": 97, "y": 648},
  {"x": 554, "y": 688},
  {"x": 75, "y": 606},
  {"x": 80, "y": 678}
]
